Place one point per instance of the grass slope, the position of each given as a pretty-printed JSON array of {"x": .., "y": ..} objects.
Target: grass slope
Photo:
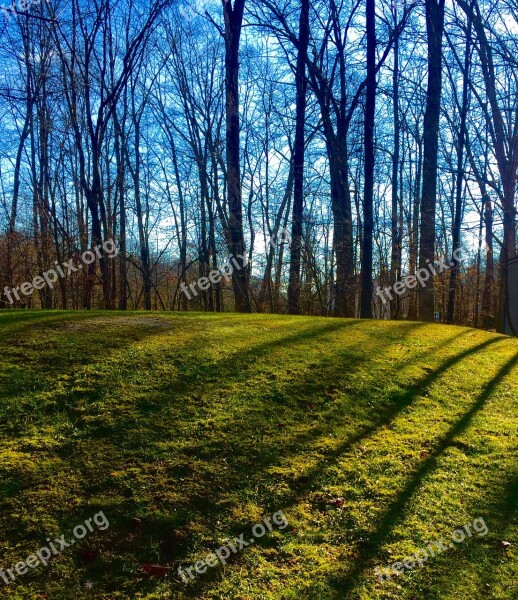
[{"x": 373, "y": 438}]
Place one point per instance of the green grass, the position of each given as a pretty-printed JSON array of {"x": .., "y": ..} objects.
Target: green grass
[{"x": 373, "y": 438}]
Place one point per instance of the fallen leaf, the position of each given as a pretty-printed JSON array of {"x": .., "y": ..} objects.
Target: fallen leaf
[
  {"x": 156, "y": 570},
  {"x": 89, "y": 555},
  {"x": 337, "y": 502}
]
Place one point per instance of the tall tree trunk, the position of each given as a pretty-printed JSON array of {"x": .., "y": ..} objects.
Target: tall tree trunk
[
  {"x": 141, "y": 214},
  {"x": 489, "y": 281},
  {"x": 298, "y": 159},
  {"x": 233, "y": 25},
  {"x": 414, "y": 228},
  {"x": 119, "y": 149},
  {"x": 396, "y": 230},
  {"x": 343, "y": 225},
  {"x": 435, "y": 30},
  {"x": 457, "y": 218},
  {"x": 368, "y": 196},
  {"x": 183, "y": 223}
]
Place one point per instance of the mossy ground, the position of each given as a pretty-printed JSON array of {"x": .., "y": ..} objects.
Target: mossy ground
[{"x": 372, "y": 437}]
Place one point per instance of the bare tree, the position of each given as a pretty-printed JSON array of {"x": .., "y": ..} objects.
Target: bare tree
[
  {"x": 435, "y": 29},
  {"x": 298, "y": 160}
]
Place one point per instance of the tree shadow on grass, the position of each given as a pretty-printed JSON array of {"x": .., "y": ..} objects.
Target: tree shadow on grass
[
  {"x": 396, "y": 403},
  {"x": 300, "y": 487},
  {"x": 390, "y": 408},
  {"x": 237, "y": 368},
  {"x": 506, "y": 507},
  {"x": 209, "y": 502},
  {"x": 484, "y": 560},
  {"x": 367, "y": 553}
]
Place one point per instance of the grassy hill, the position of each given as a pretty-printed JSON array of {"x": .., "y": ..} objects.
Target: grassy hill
[{"x": 374, "y": 439}]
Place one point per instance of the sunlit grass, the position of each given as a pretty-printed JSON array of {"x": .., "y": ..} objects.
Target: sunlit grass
[{"x": 372, "y": 437}]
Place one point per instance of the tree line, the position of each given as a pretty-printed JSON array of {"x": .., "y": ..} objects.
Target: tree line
[{"x": 383, "y": 136}]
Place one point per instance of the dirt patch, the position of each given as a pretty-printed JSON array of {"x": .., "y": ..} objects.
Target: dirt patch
[{"x": 153, "y": 322}]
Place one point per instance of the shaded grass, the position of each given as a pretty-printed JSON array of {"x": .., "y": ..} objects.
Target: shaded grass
[{"x": 201, "y": 425}]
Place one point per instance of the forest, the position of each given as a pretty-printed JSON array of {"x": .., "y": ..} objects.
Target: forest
[{"x": 343, "y": 146}]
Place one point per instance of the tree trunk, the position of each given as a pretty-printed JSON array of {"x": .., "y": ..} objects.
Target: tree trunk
[
  {"x": 298, "y": 159},
  {"x": 489, "y": 281},
  {"x": 435, "y": 30},
  {"x": 233, "y": 25},
  {"x": 457, "y": 218},
  {"x": 368, "y": 200},
  {"x": 414, "y": 229},
  {"x": 395, "y": 258}
]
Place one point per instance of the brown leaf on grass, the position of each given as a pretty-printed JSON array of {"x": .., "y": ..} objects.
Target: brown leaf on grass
[
  {"x": 339, "y": 502},
  {"x": 88, "y": 555},
  {"x": 323, "y": 500},
  {"x": 156, "y": 570}
]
